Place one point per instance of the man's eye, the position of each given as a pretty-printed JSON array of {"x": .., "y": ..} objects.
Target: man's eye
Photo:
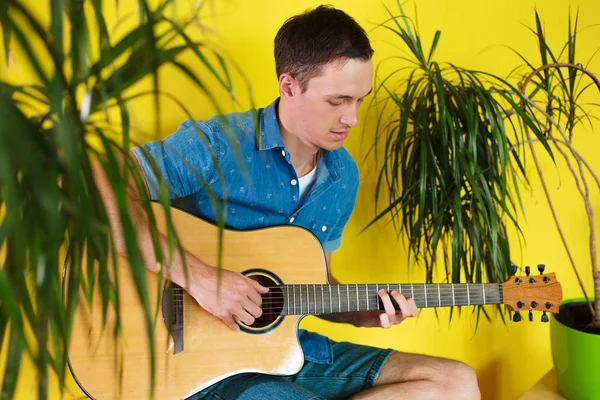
[{"x": 334, "y": 104}]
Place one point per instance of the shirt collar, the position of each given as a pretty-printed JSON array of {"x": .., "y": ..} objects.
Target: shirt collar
[{"x": 270, "y": 135}]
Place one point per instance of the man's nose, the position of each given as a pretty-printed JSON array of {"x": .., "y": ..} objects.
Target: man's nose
[{"x": 350, "y": 117}]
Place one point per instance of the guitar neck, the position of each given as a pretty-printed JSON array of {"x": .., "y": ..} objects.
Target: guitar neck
[{"x": 327, "y": 299}]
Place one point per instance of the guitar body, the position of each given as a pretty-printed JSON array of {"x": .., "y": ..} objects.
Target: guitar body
[{"x": 211, "y": 350}]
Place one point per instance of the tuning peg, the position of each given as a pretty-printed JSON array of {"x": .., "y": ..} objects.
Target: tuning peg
[
  {"x": 516, "y": 317},
  {"x": 527, "y": 270},
  {"x": 513, "y": 269},
  {"x": 544, "y": 317},
  {"x": 541, "y": 268},
  {"x": 530, "y": 316}
]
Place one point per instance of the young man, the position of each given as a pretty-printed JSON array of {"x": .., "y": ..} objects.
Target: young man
[{"x": 300, "y": 174}]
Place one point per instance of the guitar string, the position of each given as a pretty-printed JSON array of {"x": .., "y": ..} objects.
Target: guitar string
[
  {"x": 432, "y": 289},
  {"x": 278, "y": 299},
  {"x": 431, "y": 294},
  {"x": 430, "y": 299},
  {"x": 353, "y": 292}
]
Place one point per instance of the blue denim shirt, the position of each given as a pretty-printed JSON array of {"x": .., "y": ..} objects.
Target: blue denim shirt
[{"x": 263, "y": 192}]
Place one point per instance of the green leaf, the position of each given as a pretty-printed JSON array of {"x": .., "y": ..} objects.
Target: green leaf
[
  {"x": 6, "y": 31},
  {"x": 80, "y": 40},
  {"x": 13, "y": 361},
  {"x": 436, "y": 39}
]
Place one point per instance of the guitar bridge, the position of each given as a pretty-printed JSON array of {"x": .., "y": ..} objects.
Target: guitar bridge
[{"x": 172, "y": 310}]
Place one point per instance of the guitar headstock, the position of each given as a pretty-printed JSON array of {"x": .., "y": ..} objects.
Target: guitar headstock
[{"x": 532, "y": 293}]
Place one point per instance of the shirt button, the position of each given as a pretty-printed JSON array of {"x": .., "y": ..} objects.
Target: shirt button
[
  {"x": 323, "y": 228},
  {"x": 292, "y": 219},
  {"x": 283, "y": 153},
  {"x": 294, "y": 182}
]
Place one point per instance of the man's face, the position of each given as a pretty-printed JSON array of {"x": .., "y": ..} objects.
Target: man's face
[{"x": 328, "y": 109}]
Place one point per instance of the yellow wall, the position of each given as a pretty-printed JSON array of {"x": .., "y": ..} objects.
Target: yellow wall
[{"x": 507, "y": 358}]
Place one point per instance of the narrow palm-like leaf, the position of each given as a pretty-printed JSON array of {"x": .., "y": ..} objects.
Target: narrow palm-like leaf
[
  {"x": 6, "y": 32},
  {"x": 48, "y": 193},
  {"x": 447, "y": 165}
]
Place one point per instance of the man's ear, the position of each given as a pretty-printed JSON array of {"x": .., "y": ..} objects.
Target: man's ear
[{"x": 288, "y": 86}]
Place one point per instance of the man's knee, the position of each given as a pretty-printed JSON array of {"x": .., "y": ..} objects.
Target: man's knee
[
  {"x": 442, "y": 376},
  {"x": 461, "y": 381}
]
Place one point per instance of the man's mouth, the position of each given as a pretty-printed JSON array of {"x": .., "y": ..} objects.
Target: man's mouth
[{"x": 340, "y": 135}]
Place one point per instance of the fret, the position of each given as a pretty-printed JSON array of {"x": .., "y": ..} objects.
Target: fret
[
  {"x": 339, "y": 300},
  {"x": 367, "y": 292},
  {"x": 348, "y": 296},
  {"x": 287, "y": 293},
  {"x": 294, "y": 291},
  {"x": 301, "y": 297},
  {"x": 483, "y": 290},
  {"x": 412, "y": 291},
  {"x": 453, "y": 298},
  {"x": 468, "y": 296},
  {"x": 323, "y": 299},
  {"x": 357, "y": 300},
  {"x": 439, "y": 296},
  {"x": 400, "y": 289},
  {"x": 330, "y": 297},
  {"x": 425, "y": 287},
  {"x": 315, "y": 294},
  {"x": 307, "y": 301}
]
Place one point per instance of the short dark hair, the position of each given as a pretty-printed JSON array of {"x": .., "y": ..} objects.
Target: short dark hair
[{"x": 308, "y": 41}]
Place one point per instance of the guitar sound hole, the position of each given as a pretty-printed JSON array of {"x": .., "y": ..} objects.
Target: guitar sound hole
[{"x": 272, "y": 301}]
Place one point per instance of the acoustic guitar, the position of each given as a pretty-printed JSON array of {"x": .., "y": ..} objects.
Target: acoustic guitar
[{"x": 193, "y": 349}]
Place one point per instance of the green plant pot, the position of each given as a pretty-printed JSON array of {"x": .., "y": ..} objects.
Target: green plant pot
[{"x": 575, "y": 354}]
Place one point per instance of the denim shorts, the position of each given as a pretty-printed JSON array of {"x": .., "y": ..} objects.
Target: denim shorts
[{"x": 354, "y": 368}]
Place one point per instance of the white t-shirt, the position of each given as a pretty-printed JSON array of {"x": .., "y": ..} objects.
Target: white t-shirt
[{"x": 306, "y": 182}]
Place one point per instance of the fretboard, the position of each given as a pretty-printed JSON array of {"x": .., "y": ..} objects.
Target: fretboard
[{"x": 327, "y": 299}]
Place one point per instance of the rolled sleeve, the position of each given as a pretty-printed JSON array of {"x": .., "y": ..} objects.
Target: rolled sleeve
[
  {"x": 332, "y": 245},
  {"x": 183, "y": 162}
]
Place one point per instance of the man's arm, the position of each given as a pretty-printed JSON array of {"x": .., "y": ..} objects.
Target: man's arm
[
  {"x": 384, "y": 319},
  {"x": 240, "y": 296}
]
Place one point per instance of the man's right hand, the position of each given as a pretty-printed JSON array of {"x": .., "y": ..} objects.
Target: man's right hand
[{"x": 238, "y": 296}]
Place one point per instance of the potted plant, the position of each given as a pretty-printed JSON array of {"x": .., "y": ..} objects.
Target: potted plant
[
  {"x": 73, "y": 112},
  {"x": 575, "y": 330},
  {"x": 450, "y": 146}
]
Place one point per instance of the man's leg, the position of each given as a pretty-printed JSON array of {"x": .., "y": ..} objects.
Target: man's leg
[
  {"x": 255, "y": 387},
  {"x": 413, "y": 376},
  {"x": 365, "y": 372}
]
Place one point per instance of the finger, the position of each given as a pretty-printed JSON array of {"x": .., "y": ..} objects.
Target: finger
[
  {"x": 232, "y": 324},
  {"x": 254, "y": 296},
  {"x": 245, "y": 317},
  {"x": 385, "y": 321},
  {"x": 413, "y": 307},
  {"x": 260, "y": 288},
  {"x": 405, "y": 310},
  {"x": 387, "y": 303},
  {"x": 253, "y": 309}
]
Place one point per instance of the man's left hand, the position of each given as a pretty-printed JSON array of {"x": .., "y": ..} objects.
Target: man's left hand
[{"x": 408, "y": 308}]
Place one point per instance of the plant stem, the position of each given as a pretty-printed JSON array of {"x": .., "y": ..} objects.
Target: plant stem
[{"x": 595, "y": 309}]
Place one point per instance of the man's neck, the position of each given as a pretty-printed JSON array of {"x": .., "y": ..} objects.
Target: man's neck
[{"x": 303, "y": 155}]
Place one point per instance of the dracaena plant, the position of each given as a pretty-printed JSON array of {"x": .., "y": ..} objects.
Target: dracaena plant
[
  {"x": 450, "y": 155},
  {"x": 50, "y": 135}
]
